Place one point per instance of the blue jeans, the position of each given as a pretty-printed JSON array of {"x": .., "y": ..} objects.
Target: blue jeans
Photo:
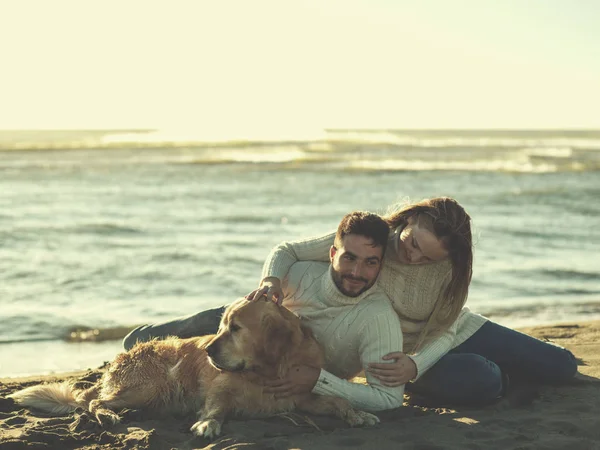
[
  {"x": 477, "y": 371},
  {"x": 200, "y": 324},
  {"x": 474, "y": 373}
]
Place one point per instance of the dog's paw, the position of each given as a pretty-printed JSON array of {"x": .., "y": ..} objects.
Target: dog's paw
[
  {"x": 107, "y": 418},
  {"x": 206, "y": 428},
  {"x": 356, "y": 418},
  {"x": 368, "y": 418}
]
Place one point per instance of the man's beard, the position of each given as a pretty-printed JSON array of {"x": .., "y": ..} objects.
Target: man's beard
[{"x": 338, "y": 279}]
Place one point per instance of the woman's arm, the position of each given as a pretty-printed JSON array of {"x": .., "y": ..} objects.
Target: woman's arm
[
  {"x": 405, "y": 368},
  {"x": 282, "y": 257},
  {"x": 432, "y": 352},
  {"x": 442, "y": 341}
]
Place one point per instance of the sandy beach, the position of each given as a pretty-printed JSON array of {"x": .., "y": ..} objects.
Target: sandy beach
[{"x": 532, "y": 417}]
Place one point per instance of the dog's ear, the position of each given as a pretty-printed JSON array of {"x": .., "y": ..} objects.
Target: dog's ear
[{"x": 277, "y": 335}]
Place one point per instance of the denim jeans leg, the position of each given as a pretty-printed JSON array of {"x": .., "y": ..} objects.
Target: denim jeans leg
[
  {"x": 521, "y": 356},
  {"x": 461, "y": 379},
  {"x": 200, "y": 324}
]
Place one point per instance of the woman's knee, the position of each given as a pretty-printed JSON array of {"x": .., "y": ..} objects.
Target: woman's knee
[
  {"x": 485, "y": 381},
  {"x": 564, "y": 367},
  {"x": 465, "y": 379}
]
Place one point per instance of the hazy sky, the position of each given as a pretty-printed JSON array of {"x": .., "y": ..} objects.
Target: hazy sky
[{"x": 294, "y": 65}]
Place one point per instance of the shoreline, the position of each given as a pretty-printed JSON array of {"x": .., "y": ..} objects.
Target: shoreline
[
  {"x": 92, "y": 347},
  {"x": 553, "y": 417}
]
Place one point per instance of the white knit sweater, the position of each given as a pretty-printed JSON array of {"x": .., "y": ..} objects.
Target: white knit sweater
[
  {"x": 353, "y": 331},
  {"x": 412, "y": 288}
]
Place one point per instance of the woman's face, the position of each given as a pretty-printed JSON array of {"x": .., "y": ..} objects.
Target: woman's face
[{"x": 418, "y": 245}]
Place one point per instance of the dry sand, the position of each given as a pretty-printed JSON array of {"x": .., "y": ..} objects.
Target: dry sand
[{"x": 542, "y": 417}]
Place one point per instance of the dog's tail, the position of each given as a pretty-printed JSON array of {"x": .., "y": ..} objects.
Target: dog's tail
[{"x": 54, "y": 398}]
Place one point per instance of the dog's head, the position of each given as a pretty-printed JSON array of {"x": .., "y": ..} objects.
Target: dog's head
[{"x": 254, "y": 335}]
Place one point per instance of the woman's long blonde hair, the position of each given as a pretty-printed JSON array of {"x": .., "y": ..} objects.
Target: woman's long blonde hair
[{"x": 450, "y": 223}]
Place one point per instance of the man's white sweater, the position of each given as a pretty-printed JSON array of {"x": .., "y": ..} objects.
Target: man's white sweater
[{"x": 353, "y": 331}]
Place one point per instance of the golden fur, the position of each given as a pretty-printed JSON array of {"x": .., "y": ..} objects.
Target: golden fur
[{"x": 216, "y": 376}]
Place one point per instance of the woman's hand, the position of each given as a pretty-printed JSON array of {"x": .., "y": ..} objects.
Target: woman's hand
[
  {"x": 301, "y": 379},
  {"x": 400, "y": 372},
  {"x": 269, "y": 287}
]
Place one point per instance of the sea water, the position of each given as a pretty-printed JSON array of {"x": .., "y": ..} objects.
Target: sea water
[{"x": 104, "y": 230}]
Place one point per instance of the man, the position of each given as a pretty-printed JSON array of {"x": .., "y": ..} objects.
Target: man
[{"x": 351, "y": 317}]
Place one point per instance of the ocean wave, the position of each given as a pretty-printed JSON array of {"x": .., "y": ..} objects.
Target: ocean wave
[
  {"x": 584, "y": 139},
  {"x": 174, "y": 256},
  {"x": 75, "y": 334},
  {"x": 571, "y": 275},
  {"x": 106, "y": 228},
  {"x": 101, "y": 228},
  {"x": 243, "y": 218},
  {"x": 358, "y": 150},
  {"x": 367, "y": 164},
  {"x": 532, "y": 313},
  {"x": 88, "y": 334},
  {"x": 533, "y": 310},
  {"x": 320, "y": 140},
  {"x": 532, "y": 234}
]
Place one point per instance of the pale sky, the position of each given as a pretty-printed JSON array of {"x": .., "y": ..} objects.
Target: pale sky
[{"x": 299, "y": 65}]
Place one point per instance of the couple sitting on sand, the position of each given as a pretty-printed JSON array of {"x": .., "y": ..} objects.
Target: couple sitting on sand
[{"x": 386, "y": 295}]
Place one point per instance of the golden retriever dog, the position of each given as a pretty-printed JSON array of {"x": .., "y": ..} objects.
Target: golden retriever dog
[{"x": 215, "y": 376}]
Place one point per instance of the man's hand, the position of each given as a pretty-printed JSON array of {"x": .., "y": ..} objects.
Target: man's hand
[
  {"x": 300, "y": 380},
  {"x": 397, "y": 373},
  {"x": 269, "y": 287}
]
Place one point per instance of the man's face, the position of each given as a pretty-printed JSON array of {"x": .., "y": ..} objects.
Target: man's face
[{"x": 356, "y": 264}]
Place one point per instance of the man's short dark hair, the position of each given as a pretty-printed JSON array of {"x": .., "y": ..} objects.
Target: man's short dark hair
[{"x": 364, "y": 224}]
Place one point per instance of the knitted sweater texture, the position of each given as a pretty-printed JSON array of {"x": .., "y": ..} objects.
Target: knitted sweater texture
[
  {"x": 353, "y": 331},
  {"x": 413, "y": 290}
]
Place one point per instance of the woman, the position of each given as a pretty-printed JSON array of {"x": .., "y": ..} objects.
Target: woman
[{"x": 450, "y": 354}]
